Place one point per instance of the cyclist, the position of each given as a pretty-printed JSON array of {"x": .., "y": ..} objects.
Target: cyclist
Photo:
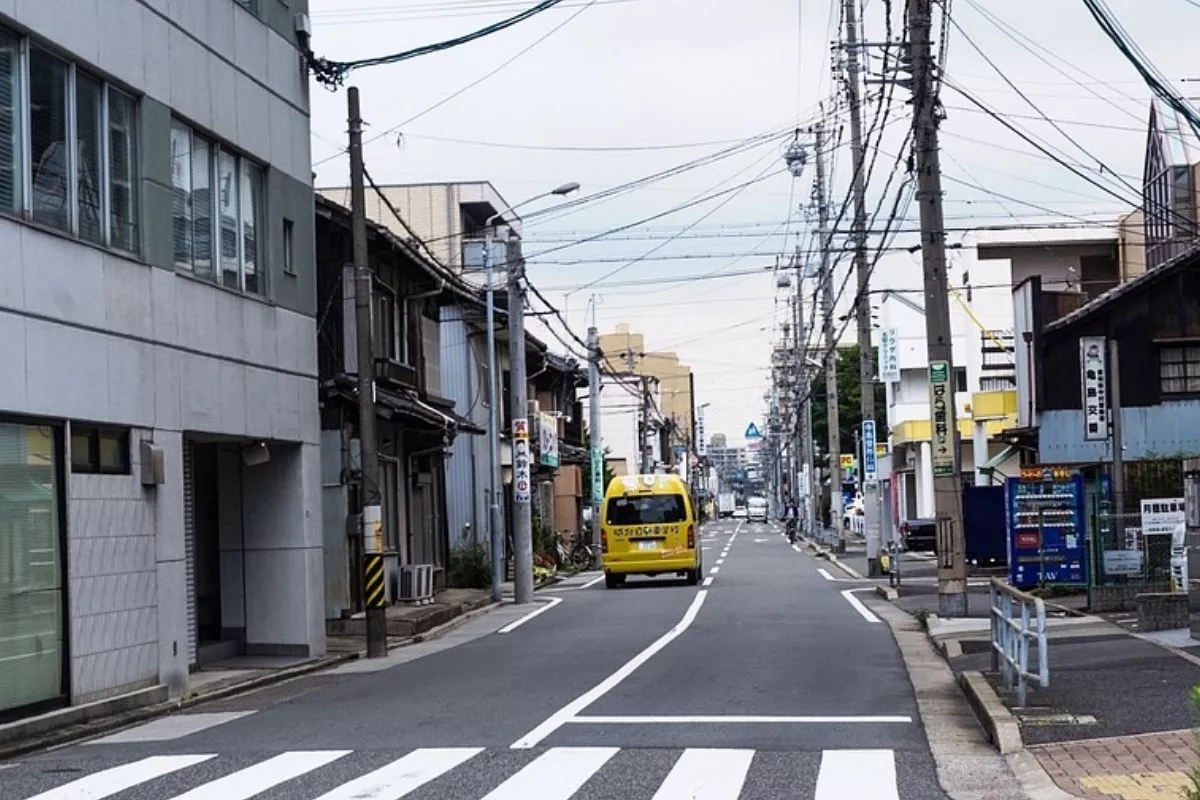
[{"x": 790, "y": 522}]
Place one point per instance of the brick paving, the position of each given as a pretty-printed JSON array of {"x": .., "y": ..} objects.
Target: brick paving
[{"x": 1152, "y": 766}]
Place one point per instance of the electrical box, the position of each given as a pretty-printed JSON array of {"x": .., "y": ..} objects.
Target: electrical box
[{"x": 153, "y": 466}]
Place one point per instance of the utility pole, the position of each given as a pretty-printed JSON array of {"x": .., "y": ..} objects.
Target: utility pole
[
  {"x": 374, "y": 590},
  {"x": 495, "y": 521},
  {"x": 598, "y": 487},
  {"x": 947, "y": 482},
  {"x": 647, "y": 467},
  {"x": 831, "y": 386},
  {"x": 798, "y": 369},
  {"x": 521, "y": 451},
  {"x": 866, "y": 356}
]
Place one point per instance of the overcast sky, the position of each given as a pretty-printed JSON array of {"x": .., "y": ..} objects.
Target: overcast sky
[{"x": 609, "y": 91}]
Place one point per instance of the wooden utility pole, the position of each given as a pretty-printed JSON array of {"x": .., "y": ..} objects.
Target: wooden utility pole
[
  {"x": 374, "y": 589},
  {"x": 947, "y": 482}
]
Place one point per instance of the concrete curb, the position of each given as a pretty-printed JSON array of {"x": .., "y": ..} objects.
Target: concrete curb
[
  {"x": 92, "y": 723},
  {"x": 1035, "y": 783},
  {"x": 89, "y": 728},
  {"x": 1001, "y": 726},
  {"x": 887, "y": 593}
]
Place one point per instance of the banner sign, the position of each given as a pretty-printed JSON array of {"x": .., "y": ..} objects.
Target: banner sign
[
  {"x": 701, "y": 433},
  {"x": 522, "y": 489},
  {"x": 597, "y": 476},
  {"x": 1093, "y": 368},
  {"x": 870, "y": 470},
  {"x": 940, "y": 397},
  {"x": 548, "y": 440},
  {"x": 889, "y": 355}
]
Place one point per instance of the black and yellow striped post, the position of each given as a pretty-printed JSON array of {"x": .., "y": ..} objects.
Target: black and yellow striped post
[{"x": 376, "y": 596}]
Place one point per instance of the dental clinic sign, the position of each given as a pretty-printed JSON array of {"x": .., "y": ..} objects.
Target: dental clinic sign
[{"x": 940, "y": 398}]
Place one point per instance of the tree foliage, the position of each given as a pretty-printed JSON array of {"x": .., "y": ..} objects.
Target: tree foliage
[{"x": 849, "y": 404}]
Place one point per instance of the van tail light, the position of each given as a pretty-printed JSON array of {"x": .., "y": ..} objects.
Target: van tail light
[
  {"x": 603, "y": 541},
  {"x": 691, "y": 537}
]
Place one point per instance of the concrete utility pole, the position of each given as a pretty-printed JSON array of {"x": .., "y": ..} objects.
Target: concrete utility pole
[
  {"x": 862, "y": 267},
  {"x": 799, "y": 368},
  {"x": 598, "y": 487},
  {"x": 495, "y": 522},
  {"x": 374, "y": 590},
  {"x": 647, "y": 466},
  {"x": 521, "y": 451},
  {"x": 831, "y": 386},
  {"x": 947, "y": 482}
]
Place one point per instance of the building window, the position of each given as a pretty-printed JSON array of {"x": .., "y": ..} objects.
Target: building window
[
  {"x": 249, "y": 5},
  {"x": 31, "y": 569},
  {"x": 960, "y": 379},
  {"x": 289, "y": 247},
  {"x": 66, "y": 147},
  {"x": 1179, "y": 369},
  {"x": 218, "y": 211},
  {"x": 390, "y": 319},
  {"x": 102, "y": 451}
]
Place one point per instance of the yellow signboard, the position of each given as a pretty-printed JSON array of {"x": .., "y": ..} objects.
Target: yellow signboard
[{"x": 847, "y": 461}]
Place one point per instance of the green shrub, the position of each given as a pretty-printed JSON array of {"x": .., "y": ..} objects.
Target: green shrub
[{"x": 470, "y": 567}]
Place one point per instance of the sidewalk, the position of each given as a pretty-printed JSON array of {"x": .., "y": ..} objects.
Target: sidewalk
[
  {"x": 1116, "y": 720},
  {"x": 238, "y": 675}
]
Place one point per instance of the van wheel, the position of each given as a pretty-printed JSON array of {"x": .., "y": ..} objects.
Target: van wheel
[
  {"x": 613, "y": 581},
  {"x": 693, "y": 576}
]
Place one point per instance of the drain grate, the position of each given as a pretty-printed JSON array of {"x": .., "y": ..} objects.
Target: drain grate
[{"x": 1052, "y": 716}]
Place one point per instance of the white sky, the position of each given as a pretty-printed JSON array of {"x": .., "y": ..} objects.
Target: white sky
[{"x": 654, "y": 73}]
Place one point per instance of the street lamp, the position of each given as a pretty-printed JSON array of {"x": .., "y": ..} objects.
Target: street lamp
[{"x": 514, "y": 311}]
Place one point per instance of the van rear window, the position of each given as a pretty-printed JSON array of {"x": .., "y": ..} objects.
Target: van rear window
[{"x": 657, "y": 509}]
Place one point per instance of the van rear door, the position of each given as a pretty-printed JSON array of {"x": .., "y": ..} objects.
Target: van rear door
[{"x": 649, "y": 525}]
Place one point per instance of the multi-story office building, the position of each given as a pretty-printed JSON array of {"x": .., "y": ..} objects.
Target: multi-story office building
[{"x": 159, "y": 459}]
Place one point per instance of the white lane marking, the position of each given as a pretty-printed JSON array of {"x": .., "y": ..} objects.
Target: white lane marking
[
  {"x": 720, "y": 561},
  {"x": 550, "y": 603},
  {"x": 592, "y": 582},
  {"x": 739, "y": 719},
  {"x": 796, "y": 547},
  {"x": 173, "y": 727},
  {"x": 251, "y": 781},
  {"x": 706, "y": 775},
  {"x": 824, "y": 573},
  {"x": 708, "y": 581},
  {"x": 857, "y": 773},
  {"x": 714, "y": 570},
  {"x": 858, "y": 606},
  {"x": 405, "y": 775},
  {"x": 564, "y": 714},
  {"x": 557, "y": 774},
  {"x": 108, "y": 782}
]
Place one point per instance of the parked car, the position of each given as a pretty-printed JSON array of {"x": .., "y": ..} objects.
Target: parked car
[
  {"x": 740, "y": 512},
  {"x": 919, "y": 534}
]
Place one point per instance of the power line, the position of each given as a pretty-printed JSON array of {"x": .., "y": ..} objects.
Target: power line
[
  {"x": 333, "y": 73},
  {"x": 638, "y": 148}
]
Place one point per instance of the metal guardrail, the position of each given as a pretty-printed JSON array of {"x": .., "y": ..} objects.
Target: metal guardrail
[{"x": 1011, "y": 637}]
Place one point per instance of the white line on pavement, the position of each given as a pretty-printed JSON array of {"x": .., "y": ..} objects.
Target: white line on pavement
[
  {"x": 592, "y": 582},
  {"x": 714, "y": 570},
  {"x": 857, "y": 773},
  {"x": 404, "y": 775},
  {"x": 550, "y": 603},
  {"x": 708, "y": 581},
  {"x": 706, "y": 775},
  {"x": 556, "y": 774},
  {"x": 112, "y": 781},
  {"x": 720, "y": 561},
  {"x": 571, "y": 709},
  {"x": 824, "y": 573},
  {"x": 175, "y": 726},
  {"x": 254, "y": 780},
  {"x": 796, "y": 547},
  {"x": 858, "y": 606},
  {"x": 736, "y": 718}
]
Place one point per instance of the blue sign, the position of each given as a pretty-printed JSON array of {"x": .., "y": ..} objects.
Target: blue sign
[
  {"x": 868, "y": 446},
  {"x": 752, "y": 432}
]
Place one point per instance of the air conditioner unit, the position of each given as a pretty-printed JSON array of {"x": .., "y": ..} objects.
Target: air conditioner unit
[{"x": 416, "y": 584}]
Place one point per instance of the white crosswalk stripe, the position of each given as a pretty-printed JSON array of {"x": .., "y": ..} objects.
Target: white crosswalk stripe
[{"x": 558, "y": 773}]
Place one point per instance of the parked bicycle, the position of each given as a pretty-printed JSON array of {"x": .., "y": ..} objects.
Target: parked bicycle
[{"x": 581, "y": 554}]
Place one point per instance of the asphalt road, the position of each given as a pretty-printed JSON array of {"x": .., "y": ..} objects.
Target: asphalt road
[{"x": 768, "y": 682}]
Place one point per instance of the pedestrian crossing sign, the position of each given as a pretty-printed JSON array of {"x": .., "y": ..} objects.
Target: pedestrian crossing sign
[{"x": 752, "y": 432}]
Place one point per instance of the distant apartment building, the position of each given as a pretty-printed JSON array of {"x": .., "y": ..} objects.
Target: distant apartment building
[{"x": 159, "y": 440}]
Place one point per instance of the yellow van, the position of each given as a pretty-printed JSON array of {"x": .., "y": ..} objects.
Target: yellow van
[{"x": 648, "y": 527}]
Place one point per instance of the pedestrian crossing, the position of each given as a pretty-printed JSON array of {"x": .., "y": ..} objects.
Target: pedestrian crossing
[{"x": 474, "y": 773}]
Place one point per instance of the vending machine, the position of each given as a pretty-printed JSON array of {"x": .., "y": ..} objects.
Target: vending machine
[{"x": 1047, "y": 541}]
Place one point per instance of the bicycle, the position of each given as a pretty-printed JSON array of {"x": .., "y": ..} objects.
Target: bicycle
[{"x": 581, "y": 554}]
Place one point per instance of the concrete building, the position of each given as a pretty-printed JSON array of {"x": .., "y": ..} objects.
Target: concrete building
[
  {"x": 159, "y": 451},
  {"x": 625, "y": 351}
]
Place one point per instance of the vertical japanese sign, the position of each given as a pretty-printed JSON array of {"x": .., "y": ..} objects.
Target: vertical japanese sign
[
  {"x": 1093, "y": 369},
  {"x": 522, "y": 493},
  {"x": 597, "y": 476},
  {"x": 889, "y": 355},
  {"x": 940, "y": 396},
  {"x": 870, "y": 467},
  {"x": 548, "y": 440},
  {"x": 701, "y": 434}
]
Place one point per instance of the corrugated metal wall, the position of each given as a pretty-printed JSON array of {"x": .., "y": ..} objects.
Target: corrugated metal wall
[{"x": 467, "y": 468}]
